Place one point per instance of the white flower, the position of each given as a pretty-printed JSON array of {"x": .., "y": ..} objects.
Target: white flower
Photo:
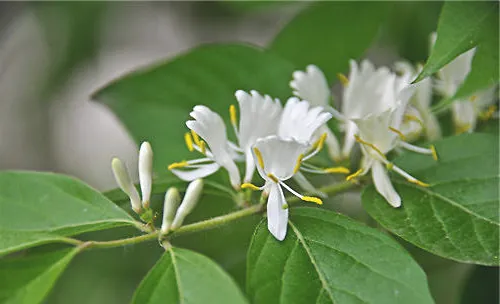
[
  {"x": 421, "y": 102},
  {"x": 466, "y": 112},
  {"x": 312, "y": 86},
  {"x": 124, "y": 181},
  {"x": 277, "y": 161},
  {"x": 213, "y": 144},
  {"x": 259, "y": 117},
  {"x": 378, "y": 135}
]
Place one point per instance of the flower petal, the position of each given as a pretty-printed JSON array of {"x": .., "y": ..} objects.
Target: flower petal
[
  {"x": 277, "y": 217},
  {"x": 202, "y": 171},
  {"x": 383, "y": 184},
  {"x": 311, "y": 85}
]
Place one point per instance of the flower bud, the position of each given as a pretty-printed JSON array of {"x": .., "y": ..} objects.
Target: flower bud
[
  {"x": 146, "y": 172},
  {"x": 125, "y": 183},
  {"x": 193, "y": 193},
  {"x": 172, "y": 201}
]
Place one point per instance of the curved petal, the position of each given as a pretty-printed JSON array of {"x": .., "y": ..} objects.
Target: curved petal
[
  {"x": 332, "y": 142},
  {"x": 350, "y": 130},
  {"x": 202, "y": 171},
  {"x": 250, "y": 166},
  {"x": 311, "y": 85},
  {"x": 277, "y": 216},
  {"x": 383, "y": 184}
]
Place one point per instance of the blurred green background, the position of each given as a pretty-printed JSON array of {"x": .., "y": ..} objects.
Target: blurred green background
[{"x": 53, "y": 55}]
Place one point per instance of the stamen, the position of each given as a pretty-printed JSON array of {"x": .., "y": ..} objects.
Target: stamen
[
  {"x": 408, "y": 117},
  {"x": 196, "y": 138},
  {"x": 320, "y": 142},
  {"x": 358, "y": 139},
  {"x": 203, "y": 147},
  {"x": 178, "y": 165},
  {"x": 297, "y": 165},
  {"x": 462, "y": 129},
  {"x": 312, "y": 199},
  {"x": 342, "y": 170},
  {"x": 343, "y": 79},
  {"x": 189, "y": 141},
  {"x": 401, "y": 135},
  {"x": 250, "y": 186},
  {"x": 417, "y": 182},
  {"x": 354, "y": 175},
  {"x": 407, "y": 176},
  {"x": 434, "y": 152},
  {"x": 260, "y": 160},
  {"x": 273, "y": 178},
  {"x": 488, "y": 113},
  {"x": 232, "y": 114}
]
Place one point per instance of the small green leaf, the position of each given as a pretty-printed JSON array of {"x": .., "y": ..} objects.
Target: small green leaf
[
  {"x": 328, "y": 34},
  {"x": 457, "y": 217},
  {"x": 329, "y": 258},
  {"x": 154, "y": 103},
  {"x": 183, "y": 276},
  {"x": 462, "y": 25},
  {"x": 28, "y": 279},
  {"x": 38, "y": 208}
]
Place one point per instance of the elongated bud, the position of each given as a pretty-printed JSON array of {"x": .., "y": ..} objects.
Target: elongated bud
[
  {"x": 146, "y": 172},
  {"x": 193, "y": 193},
  {"x": 125, "y": 183},
  {"x": 172, "y": 201}
]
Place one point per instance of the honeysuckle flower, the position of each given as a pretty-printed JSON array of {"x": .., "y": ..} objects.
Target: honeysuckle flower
[
  {"x": 421, "y": 102},
  {"x": 190, "y": 200},
  {"x": 124, "y": 181},
  {"x": 466, "y": 113},
  {"x": 277, "y": 161},
  {"x": 311, "y": 85},
  {"x": 259, "y": 117},
  {"x": 208, "y": 136},
  {"x": 170, "y": 205},
  {"x": 378, "y": 134}
]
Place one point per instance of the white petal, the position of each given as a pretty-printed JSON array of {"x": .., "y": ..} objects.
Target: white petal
[
  {"x": 457, "y": 70},
  {"x": 145, "y": 172},
  {"x": 311, "y": 85},
  {"x": 277, "y": 217},
  {"x": 192, "y": 174},
  {"x": 350, "y": 130},
  {"x": 383, "y": 184},
  {"x": 374, "y": 129},
  {"x": 299, "y": 121},
  {"x": 410, "y": 128},
  {"x": 279, "y": 156},
  {"x": 332, "y": 142},
  {"x": 259, "y": 117},
  {"x": 250, "y": 166},
  {"x": 464, "y": 115}
]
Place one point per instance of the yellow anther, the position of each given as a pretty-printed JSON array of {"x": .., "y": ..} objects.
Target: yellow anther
[
  {"x": 408, "y": 117},
  {"x": 358, "y": 139},
  {"x": 189, "y": 141},
  {"x": 488, "y": 113},
  {"x": 389, "y": 166},
  {"x": 462, "y": 128},
  {"x": 260, "y": 160},
  {"x": 273, "y": 178},
  {"x": 342, "y": 170},
  {"x": 320, "y": 142},
  {"x": 178, "y": 165},
  {"x": 196, "y": 138},
  {"x": 250, "y": 186},
  {"x": 354, "y": 175},
  {"x": 312, "y": 199},
  {"x": 417, "y": 182},
  {"x": 434, "y": 152},
  {"x": 343, "y": 79},
  {"x": 232, "y": 114},
  {"x": 203, "y": 147},
  {"x": 297, "y": 165},
  {"x": 473, "y": 98},
  {"x": 401, "y": 135}
]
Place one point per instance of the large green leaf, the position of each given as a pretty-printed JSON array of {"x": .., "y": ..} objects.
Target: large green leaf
[
  {"x": 155, "y": 103},
  {"x": 29, "y": 279},
  {"x": 37, "y": 208},
  {"x": 457, "y": 217},
  {"x": 462, "y": 25},
  {"x": 328, "y": 34},
  {"x": 329, "y": 258},
  {"x": 183, "y": 276}
]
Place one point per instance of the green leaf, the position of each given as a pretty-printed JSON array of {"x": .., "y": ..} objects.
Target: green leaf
[
  {"x": 155, "y": 103},
  {"x": 38, "y": 208},
  {"x": 183, "y": 276},
  {"x": 328, "y": 34},
  {"x": 462, "y": 25},
  {"x": 29, "y": 279},
  {"x": 329, "y": 258},
  {"x": 457, "y": 217}
]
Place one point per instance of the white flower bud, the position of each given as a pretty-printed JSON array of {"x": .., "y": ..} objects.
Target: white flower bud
[
  {"x": 193, "y": 193},
  {"x": 125, "y": 183},
  {"x": 172, "y": 201},
  {"x": 146, "y": 172}
]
